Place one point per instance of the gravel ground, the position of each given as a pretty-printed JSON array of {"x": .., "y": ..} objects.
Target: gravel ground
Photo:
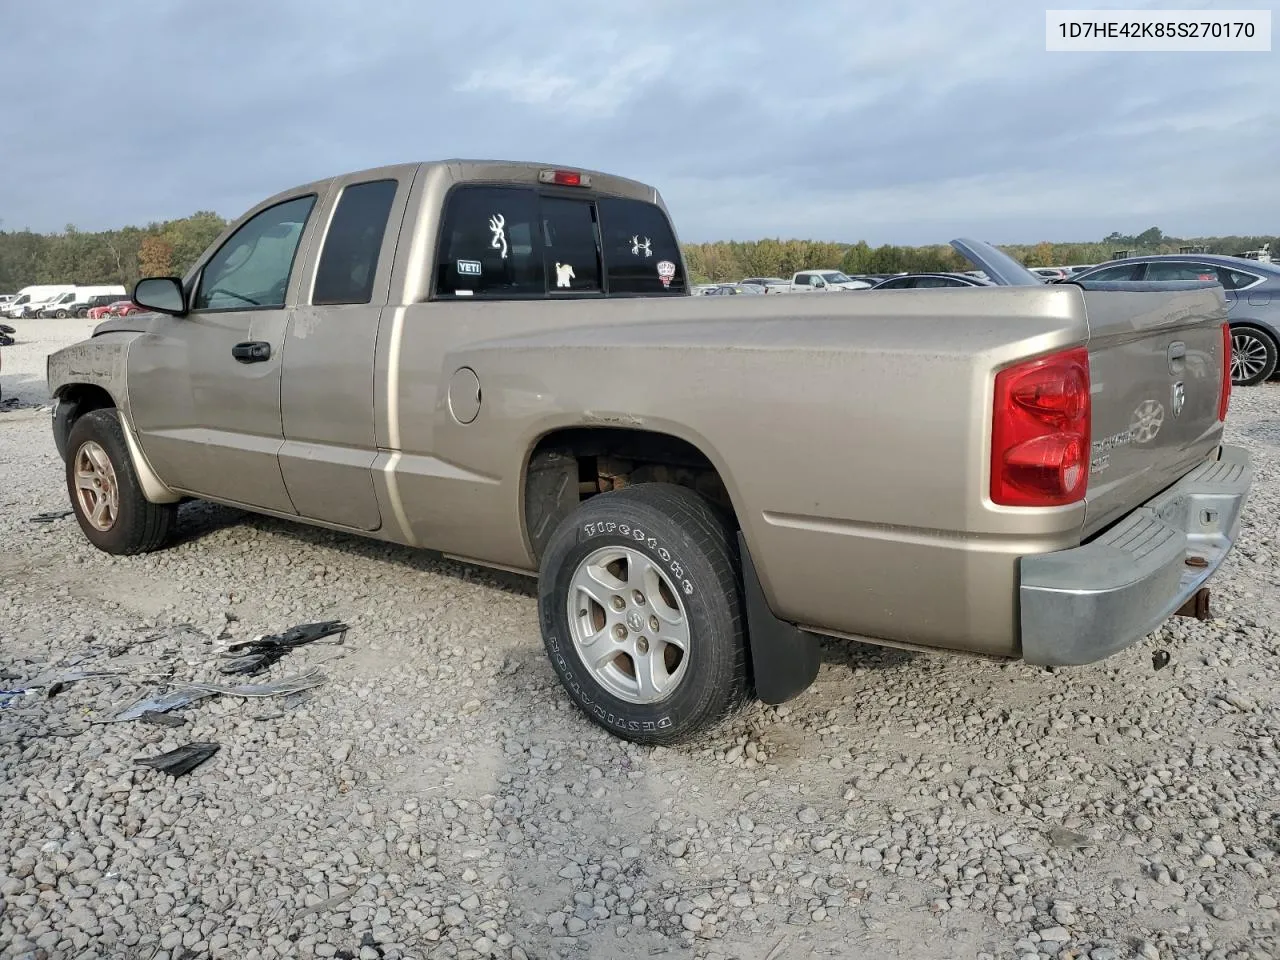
[{"x": 438, "y": 797}]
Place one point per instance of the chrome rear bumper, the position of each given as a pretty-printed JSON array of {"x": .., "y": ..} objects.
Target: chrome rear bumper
[{"x": 1084, "y": 604}]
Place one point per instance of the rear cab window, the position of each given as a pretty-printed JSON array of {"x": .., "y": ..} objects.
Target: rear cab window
[
  {"x": 349, "y": 258},
  {"x": 641, "y": 255},
  {"x": 571, "y": 248},
  {"x": 514, "y": 242}
]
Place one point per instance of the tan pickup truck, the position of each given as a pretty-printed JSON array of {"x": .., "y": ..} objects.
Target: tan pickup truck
[{"x": 501, "y": 362}]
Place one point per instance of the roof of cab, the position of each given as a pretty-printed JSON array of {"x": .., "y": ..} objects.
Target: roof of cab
[{"x": 460, "y": 169}]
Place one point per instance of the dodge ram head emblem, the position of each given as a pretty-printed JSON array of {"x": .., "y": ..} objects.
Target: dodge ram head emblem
[{"x": 1179, "y": 398}]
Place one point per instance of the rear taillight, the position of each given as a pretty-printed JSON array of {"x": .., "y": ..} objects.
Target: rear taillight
[
  {"x": 1224, "y": 397},
  {"x": 1040, "y": 431}
]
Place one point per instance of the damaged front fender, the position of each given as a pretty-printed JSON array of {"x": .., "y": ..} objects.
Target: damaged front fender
[
  {"x": 98, "y": 362},
  {"x": 90, "y": 375}
]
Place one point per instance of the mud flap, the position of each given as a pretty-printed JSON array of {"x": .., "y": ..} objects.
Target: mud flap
[{"x": 784, "y": 658}]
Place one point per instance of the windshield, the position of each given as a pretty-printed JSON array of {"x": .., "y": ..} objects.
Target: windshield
[
  {"x": 25, "y": 298},
  {"x": 836, "y": 277}
]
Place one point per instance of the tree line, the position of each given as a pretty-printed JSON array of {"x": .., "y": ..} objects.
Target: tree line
[
  {"x": 170, "y": 248},
  {"x": 108, "y": 256}
]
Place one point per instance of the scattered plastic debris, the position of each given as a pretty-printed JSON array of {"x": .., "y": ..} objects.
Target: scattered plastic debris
[
  {"x": 1062, "y": 837},
  {"x": 162, "y": 704},
  {"x": 294, "y": 684},
  {"x": 1159, "y": 659},
  {"x": 294, "y": 700},
  {"x": 261, "y": 652},
  {"x": 51, "y": 516},
  {"x": 181, "y": 761},
  {"x": 157, "y": 719},
  {"x": 55, "y": 681}
]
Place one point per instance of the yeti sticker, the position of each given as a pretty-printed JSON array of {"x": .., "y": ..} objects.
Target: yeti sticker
[
  {"x": 564, "y": 273},
  {"x": 666, "y": 270},
  {"x": 497, "y": 226},
  {"x": 468, "y": 268},
  {"x": 639, "y": 246}
]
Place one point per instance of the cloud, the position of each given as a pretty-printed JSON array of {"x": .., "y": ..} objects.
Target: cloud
[
  {"x": 585, "y": 89},
  {"x": 911, "y": 123}
]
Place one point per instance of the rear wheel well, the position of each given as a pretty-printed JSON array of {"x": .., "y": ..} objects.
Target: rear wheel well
[
  {"x": 575, "y": 464},
  {"x": 74, "y": 401}
]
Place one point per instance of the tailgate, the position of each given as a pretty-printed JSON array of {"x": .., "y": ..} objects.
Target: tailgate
[{"x": 1155, "y": 362}]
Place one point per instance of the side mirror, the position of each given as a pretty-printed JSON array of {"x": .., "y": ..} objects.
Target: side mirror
[{"x": 161, "y": 294}]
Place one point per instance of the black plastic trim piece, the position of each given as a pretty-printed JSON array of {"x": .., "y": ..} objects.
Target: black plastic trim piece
[{"x": 784, "y": 658}]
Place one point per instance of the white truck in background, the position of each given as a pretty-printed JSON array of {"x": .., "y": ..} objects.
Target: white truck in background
[
  {"x": 78, "y": 302},
  {"x": 56, "y": 300},
  {"x": 30, "y": 300}
]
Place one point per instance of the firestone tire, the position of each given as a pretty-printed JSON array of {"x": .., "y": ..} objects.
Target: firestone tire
[
  {"x": 105, "y": 494},
  {"x": 622, "y": 564}
]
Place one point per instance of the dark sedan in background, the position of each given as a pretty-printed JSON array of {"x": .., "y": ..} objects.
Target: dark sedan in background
[
  {"x": 1253, "y": 301},
  {"x": 918, "y": 281}
]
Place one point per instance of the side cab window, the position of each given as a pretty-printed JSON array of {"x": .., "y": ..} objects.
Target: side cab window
[{"x": 251, "y": 269}]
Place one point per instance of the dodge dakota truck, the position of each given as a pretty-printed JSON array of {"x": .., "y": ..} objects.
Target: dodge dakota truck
[{"x": 502, "y": 363}]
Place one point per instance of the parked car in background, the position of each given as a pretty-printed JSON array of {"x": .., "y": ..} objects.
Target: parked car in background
[
  {"x": 98, "y": 312},
  {"x": 97, "y": 300},
  {"x": 1050, "y": 273},
  {"x": 122, "y": 308},
  {"x": 732, "y": 289},
  {"x": 1079, "y": 268},
  {"x": 919, "y": 281},
  {"x": 763, "y": 281},
  {"x": 1253, "y": 301},
  {"x": 61, "y": 306},
  {"x": 30, "y": 300},
  {"x": 822, "y": 281},
  {"x": 5, "y": 298}
]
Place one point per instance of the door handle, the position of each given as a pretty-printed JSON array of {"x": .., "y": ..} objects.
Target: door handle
[{"x": 252, "y": 351}]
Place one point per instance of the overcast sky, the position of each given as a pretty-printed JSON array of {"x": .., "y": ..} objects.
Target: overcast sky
[{"x": 890, "y": 122}]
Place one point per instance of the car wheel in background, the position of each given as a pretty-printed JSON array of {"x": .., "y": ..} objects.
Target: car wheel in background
[
  {"x": 105, "y": 494},
  {"x": 1253, "y": 355},
  {"x": 642, "y": 613},
  {"x": 61, "y": 314}
]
